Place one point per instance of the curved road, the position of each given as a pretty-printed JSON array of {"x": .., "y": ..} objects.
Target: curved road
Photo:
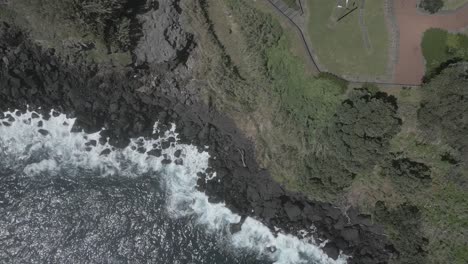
[{"x": 412, "y": 24}]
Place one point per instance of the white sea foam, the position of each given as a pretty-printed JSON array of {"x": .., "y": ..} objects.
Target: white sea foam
[{"x": 67, "y": 150}]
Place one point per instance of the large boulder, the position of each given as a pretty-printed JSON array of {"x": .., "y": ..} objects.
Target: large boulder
[{"x": 164, "y": 38}]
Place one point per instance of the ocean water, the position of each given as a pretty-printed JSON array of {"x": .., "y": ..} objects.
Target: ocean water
[{"x": 63, "y": 201}]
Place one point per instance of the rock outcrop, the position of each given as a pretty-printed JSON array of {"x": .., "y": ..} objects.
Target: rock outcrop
[{"x": 164, "y": 39}]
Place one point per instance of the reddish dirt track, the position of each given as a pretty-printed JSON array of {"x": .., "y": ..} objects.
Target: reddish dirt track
[{"x": 412, "y": 23}]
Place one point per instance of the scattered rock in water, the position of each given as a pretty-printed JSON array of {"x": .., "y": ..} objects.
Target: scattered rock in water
[
  {"x": 35, "y": 115},
  {"x": 105, "y": 152},
  {"x": 177, "y": 153},
  {"x": 179, "y": 162},
  {"x": 43, "y": 132},
  {"x": 102, "y": 140},
  {"x": 92, "y": 142},
  {"x": 166, "y": 161},
  {"x": 165, "y": 144},
  {"x": 141, "y": 150},
  {"x": 171, "y": 139},
  {"x": 10, "y": 118},
  {"x": 40, "y": 124},
  {"x": 237, "y": 227},
  {"x": 201, "y": 182},
  {"x": 65, "y": 123},
  {"x": 271, "y": 249},
  {"x": 140, "y": 143},
  {"x": 88, "y": 149},
  {"x": 6, "y": 124},
  {"x": 331, "y": 250},
  {"x": 55, "y": 113},
  {"x": 155, "y": 152}
]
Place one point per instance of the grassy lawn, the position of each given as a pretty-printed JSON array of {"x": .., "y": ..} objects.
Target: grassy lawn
[
  {"x": 339, "y": 45},
  {"x": 291, "y": 3},
  {"x": 453, "y": 4},
  {"x": 439, "y": 46}
]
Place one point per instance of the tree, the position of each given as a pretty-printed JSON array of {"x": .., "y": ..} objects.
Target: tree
[
  {"x": 325, "y": 175},
  {"x": 443, "y": 114},
  {"x": 403, "y": 226},
  {"x": 406, "y": 174},
  {"x": 356, "y": 139},
  {"x": 431, "y": 6},
  {"x": 362, "y": 128}
]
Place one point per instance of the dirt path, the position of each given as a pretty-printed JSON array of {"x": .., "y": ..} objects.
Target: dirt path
[{"x": 412, "y": 24}]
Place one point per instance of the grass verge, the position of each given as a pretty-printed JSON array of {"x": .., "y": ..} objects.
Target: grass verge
[{"x": 453, "y": 4}]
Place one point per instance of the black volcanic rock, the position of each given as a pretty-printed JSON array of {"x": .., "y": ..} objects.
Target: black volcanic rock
[
  {"x": 155, "y": 152},
  {"x": 88, "y": 91},
  {"x": 166, "y": 161},
  {"x": 43, "y": 132},
  {"x": 293, "y": 212},
  {"x": 164, "y": 38},
  {"x": 105, "y": 152},
  {"x": 332, "y": 251}
]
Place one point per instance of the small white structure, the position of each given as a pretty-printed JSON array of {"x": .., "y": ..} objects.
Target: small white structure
[{"x": 342, "y": 3}]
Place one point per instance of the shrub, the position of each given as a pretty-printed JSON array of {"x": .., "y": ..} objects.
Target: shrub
[
  {"x": 360, "y": 132},
  {"x": 431, "y": 6},
  {"x": 336, "y": 79}
]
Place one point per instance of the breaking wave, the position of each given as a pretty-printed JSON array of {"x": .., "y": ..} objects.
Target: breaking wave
[{"x": 54, "y": 149}]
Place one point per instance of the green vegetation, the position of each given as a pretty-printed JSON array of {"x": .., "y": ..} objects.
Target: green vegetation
[
  {"x": 440, "y": 47},
  {"x": 291, "y": 3},
  {"x": 404, "y": 227},
  {"x": 104, "y": 18},
  {"x": 444, "y": 108},
  {"x": 311, "y": 101},
  {"x": 360, "y": 147},
  {"x": 275, "y": 85},
  {"x": 100, "y": 29},
  {"x": 356, "y": 139},
  {"x": 431, "y": 6},
  {"x": 360, "y": 132},
  {"x": 339, "y": 44},
  {"x": 453, "y": 4}
]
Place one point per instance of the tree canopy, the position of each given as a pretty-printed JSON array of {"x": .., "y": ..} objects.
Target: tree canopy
[
  {"x": 431, "y": 6},
  {"x": 362, "y": 128},
  {"x": 444, "y": 107},
  {"x": 356, "y": 139}
]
